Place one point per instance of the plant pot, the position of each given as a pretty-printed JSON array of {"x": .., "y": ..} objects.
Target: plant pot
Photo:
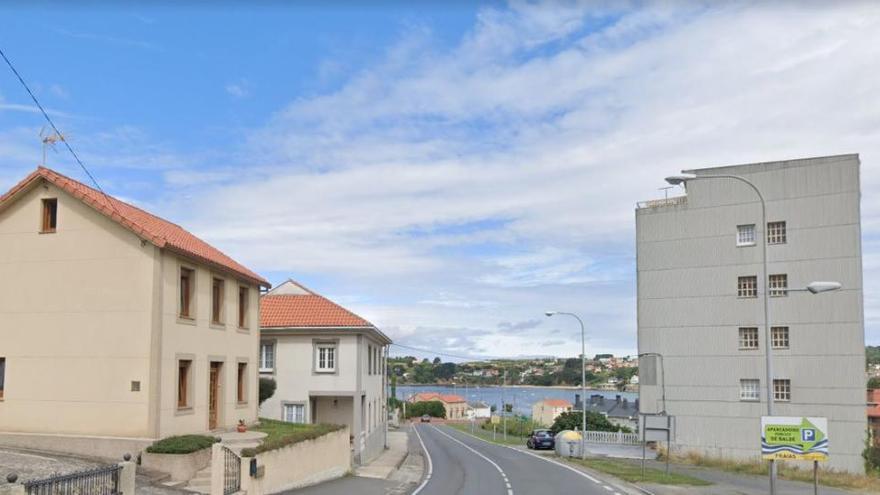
[{"x": 241, "y": 428}]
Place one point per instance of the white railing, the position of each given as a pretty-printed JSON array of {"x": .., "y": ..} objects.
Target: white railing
[{"x": 618, "y": 437}]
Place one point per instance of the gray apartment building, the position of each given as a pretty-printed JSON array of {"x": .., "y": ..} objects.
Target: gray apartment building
[{"x": 699, "y": 305}]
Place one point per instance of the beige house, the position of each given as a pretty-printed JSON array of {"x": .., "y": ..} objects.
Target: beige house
[
  {"x": 544, "y": 412},
  {"x": 116, "y": 324},
  {"x": 455, "y": 405},
  {"x": 328, "y": 363}
]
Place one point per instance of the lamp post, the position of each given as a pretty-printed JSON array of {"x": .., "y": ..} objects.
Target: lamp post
[
  {"x": 813, "y": 288},
  {"x": 583, "y": 378}
]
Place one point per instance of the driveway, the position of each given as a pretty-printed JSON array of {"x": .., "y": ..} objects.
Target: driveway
[{"x": 30, "y": 465}]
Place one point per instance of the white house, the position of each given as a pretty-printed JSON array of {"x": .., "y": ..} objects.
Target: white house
[
  {"x": 328, "y": 363},
  {"x": 479, "y": 410}
]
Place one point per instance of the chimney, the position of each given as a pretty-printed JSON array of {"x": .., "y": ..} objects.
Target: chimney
[
  {"x": 637, "y": 404},
  {"x": 617, "y": 398}
]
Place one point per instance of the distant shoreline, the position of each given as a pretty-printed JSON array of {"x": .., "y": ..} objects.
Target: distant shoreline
[{"x": 557, "y": 387}]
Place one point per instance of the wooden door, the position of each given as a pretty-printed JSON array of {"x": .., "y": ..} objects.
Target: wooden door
[{"x": 213, "y": 395}]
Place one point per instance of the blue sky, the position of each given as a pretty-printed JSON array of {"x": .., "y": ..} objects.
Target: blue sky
[{"x": 449, "y": 173}]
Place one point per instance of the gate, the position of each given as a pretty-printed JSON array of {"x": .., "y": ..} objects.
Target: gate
[
  {"x": 231, "y": 471},
  {"x": 98, "y": 481}
]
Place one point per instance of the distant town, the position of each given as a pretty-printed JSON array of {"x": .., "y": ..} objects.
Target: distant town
[{"x": 603, "y": 372}]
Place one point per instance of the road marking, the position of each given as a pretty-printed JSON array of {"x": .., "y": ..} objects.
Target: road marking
[
  {"x": 503, "y": 474},
  {"x": 430, "y": 463}
]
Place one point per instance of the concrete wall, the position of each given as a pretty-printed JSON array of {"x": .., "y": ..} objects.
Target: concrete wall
[
  {"x": 688, "y": 310},
  {"x": 181, "y": 467},
  {"x": 75, "y": 316},
  {"x": 302, "y": 464}
]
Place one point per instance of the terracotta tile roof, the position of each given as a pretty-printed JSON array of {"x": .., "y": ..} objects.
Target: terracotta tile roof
[
  {"x": 304, "y": 308},
  {"x": 429, "y": 396},
  {"x": 874, "y": 403},
  {"x": 556, "y": 403},
  {"x": 158, "y": 231}
]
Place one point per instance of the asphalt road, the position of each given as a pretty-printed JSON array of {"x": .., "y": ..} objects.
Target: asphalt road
[{"x": 462, "y": 464}]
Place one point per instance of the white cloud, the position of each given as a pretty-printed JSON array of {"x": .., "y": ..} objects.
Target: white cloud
[{"x": 239, "y": 89}]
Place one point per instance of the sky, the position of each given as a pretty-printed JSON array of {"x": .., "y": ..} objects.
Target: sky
[{"x": 448, "y": 170}]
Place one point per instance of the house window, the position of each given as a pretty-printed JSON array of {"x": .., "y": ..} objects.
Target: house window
[
  {"x": 369, "y": 360},
  {"x": 187, "y": 281},
  {"x": 747, "y": 287},
  {"x": 745, "y": 235},
  {"x": 295, "y": 413},
  {"x": 779, "y": 336},
  {"x": 50, "y": 215},
  {"x": 242, "y": 382},
  {"x": 326, "y": 358},
  {"x": 776, "y": 233},
  {"x": 184, "y": 368},
  {"x": 2, "y": 376},
  {"x": 748, "y": 338},
  {"x": 267, "y": 357},
  {"x": 217, "y": 293},
  {"x": 778, "y": 285},
  {"x": 782, "y": 390},
  {"x": 242, "y": 307},
  {"x": 749, "y": 389}
]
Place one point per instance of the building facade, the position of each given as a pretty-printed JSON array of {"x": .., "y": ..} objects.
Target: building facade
[
  {"x": 544, "y": 412},
  {"x": 455, "y": 406},
  {"x": 328, "y": 363},
  {"x": 116, "y": 323},
  {"x": 699, "y": 305}
]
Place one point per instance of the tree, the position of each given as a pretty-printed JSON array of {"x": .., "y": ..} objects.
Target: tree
[
  {"x": 436, "y": 360},
  {"x": 432, "y": 408},
  {"x": 572, "y": 420},
  {"x": 571, "y": 372},
  {"x": 874, "y": 382},
  {"x": 445, "y": 371},
  {"x": 423, "y": 373},
  {"x": 394, "y": 387},
  {"x": 267, "y": 389}
]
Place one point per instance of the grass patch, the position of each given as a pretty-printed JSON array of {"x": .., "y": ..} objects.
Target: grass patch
[
  {"x": 788, "y": 471},
  {"x": 281, "y": 434},
  {"x": 182, "y": 444},
  {"x": 487, "y": 434},
  {"x": 633, "y": 472}
]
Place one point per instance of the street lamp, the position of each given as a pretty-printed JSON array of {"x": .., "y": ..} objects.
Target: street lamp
[
  {"x": 583, "y": 378},
  {"x": 813, "y": 288}
]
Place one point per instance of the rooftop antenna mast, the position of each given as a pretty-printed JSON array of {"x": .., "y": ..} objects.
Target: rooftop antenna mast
[
  {"x": 665, "y": 191},
  {"x": 49, "y": 140}
]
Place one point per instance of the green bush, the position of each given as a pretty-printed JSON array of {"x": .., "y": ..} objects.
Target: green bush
[
  {"x": 572, "y": 420},
  {"x": 432, "y": 408},
  {"x": 281, "y": 434},
  {"x": 267, "y": 389},
  {"x": 872, "y": 459},
  {"x": 182, "y": 444},
  {"x": 518, "y": 426}
]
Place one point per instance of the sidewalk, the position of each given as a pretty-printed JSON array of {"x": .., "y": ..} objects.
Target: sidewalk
[{"x": 383, "y": 466}]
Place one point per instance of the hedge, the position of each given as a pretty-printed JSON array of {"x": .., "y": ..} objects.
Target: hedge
[
  {"x": 182, "y": 444},
  {"x": 432, "y": 408},
  {"x": 298, "y": 433}
]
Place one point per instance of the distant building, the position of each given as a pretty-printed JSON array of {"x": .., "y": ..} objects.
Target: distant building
[
  {"x": 700, "y": 305},
  {"x": 479, "y": 410},
  {"x": 619, "y": 411},
  {"x": 874, "y": 415},
  {"x": 455, "y": 405},
  {"x": 544, "y": 412}
]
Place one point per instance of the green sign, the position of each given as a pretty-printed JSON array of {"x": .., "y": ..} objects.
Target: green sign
[{"x": 794, "y": 438}]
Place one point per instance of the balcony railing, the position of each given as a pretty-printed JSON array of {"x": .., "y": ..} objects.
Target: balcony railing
[{"x": 657, "y": 203}]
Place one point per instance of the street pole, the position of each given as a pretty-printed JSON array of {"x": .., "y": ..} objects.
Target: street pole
[
  {"x": 504, "y": 405},
  {"x": 766, "y": 295},
  {"x": 583, "y": 379}
]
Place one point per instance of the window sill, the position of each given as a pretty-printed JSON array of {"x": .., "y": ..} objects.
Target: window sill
[
  {"x": 47, "y": 232},
  {"x": 241, "y": 405},
  {"x": 751, "y": 244},
  {"x": 782, "y": 348},
  {"x": 325, "y": 372},
  {"x": 781, "y": 400},
  {"x": 749, "y": 400},
  {"x": 746, "y": 297},
  {"x": 186, "y": 320},
  {"x": 267, "y": 371},
  {"x": 749, "y": 349},
  {"x": 218, "y": 326},
  {"x": 184, "y": 411}
]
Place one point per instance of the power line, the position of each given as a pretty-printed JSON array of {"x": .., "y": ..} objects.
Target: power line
[{"x": 55, "y": 128}]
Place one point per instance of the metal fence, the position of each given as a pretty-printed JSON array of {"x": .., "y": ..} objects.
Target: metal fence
[
  {"x": 613, "y": 437},
  {"x": 231, "y": 471},
  {"x": 98, "y": 481}
]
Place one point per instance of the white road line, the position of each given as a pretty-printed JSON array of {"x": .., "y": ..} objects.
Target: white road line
[
  {"x": 503, "y": 474},
  {"x": 430, "y": 463}
]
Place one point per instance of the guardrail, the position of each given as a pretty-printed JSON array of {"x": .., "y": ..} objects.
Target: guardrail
[{"x": 613, "y": 437}]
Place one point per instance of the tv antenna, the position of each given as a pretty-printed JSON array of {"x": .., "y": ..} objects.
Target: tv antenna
[
  {"x": 665, "y": 191},
  {"x": 49, "y": 140}
]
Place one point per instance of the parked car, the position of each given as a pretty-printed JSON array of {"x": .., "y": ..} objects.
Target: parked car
[
  {"x": 541, "y": 439},
  {"x": 426, "y": 418}
]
